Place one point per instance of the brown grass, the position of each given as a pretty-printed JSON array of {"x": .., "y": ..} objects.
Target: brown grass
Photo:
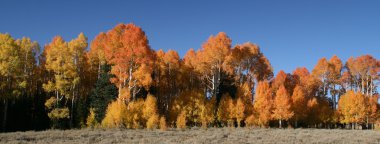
[{"x": 194, "y": 135}]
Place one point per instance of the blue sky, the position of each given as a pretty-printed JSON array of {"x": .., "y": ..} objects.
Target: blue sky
[{"x": 290, "y": 33}]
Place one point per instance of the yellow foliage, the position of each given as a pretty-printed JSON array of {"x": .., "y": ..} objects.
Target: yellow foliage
[
  {"x": 250, "y": 121},
  {"x": 23, "y": 84},
  {"x": 225, "y": 110},
  {"x": 91, "y": 121},
  {"x": 372, "y": 108},
  {"x": 129, "y": 115},
  {"x": 352, "y": 107},
  {"x": 152, "y": 122},
  {"x": 239, "y": 112},
  {"x": 63, "y": 61},
  {"x": 143, "y": 74},
  {"x": 134, "y": 115},
  {"x": 181, "y": 120},
  {"x": 114, "y": 115},
  {"x": 50, "y": 103},
  {"x": 59, "y": 113},
  {"x": 150, "y": 106},
  {"x": 244, "y": 93},
  {"x": 150, "y": 112},
  {"x": 163, "y": 125},
  {"x": 124, "y": 95},
  {"x": 207, "y": 114},
  {"x": 231, "y": 111},
  {"x": 49, "y": 87},
  {"x": 191, "y": 102}
]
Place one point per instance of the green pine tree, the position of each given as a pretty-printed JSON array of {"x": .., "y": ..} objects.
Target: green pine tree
[{"x": 103, "y": 93}]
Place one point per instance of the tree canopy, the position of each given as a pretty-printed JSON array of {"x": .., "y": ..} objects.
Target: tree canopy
[{"x": 121, "y": 82}]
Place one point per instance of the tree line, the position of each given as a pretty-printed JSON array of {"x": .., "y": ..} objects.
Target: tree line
[{"x": 121, "y": 82}]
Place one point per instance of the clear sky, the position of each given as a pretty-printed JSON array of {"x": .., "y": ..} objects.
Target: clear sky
[{"x": 290, "y": 33}]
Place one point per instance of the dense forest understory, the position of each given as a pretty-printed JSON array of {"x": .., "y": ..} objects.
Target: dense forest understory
[{"x": 119, "y": 81}]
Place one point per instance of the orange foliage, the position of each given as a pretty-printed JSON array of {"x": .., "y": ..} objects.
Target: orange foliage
[
  {"x": 150, "y": 107},
  {"x": 210, "y": 61},
  {"x": 282, "y": 105},
  {"x": 225, "y": 110},
  {"x": 128, "y": 51},
  {"x": 299, "y": 103},
  {"x": 263, "y": 103},
  {"x": 239, "y": 110},
  {"x": 300, "y": 75},
  {"x": 352, "y": 107},
  {"x": 163, "y": 126},
  {"x": 214, "y": 85},
  {"x": 181, "y": 120}
]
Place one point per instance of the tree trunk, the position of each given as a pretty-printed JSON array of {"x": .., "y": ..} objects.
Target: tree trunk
[
  {"x": 72, "y": 110},
  {"x": 5, "y": 115},
  {"x": 280, "y": 123},
  {"x": 56, "y": 94},
  {"x": 371, "y": 86},
  {"x": 367, "y": 85},
  {"x": 99, "y": 70},
  {"x": 120, "y": 84},
  {"x": 362, "y": 89},
  {"x": 367, "y": 122}
]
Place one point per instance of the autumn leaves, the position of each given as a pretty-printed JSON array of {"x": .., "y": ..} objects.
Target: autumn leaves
[
  {"x": 17, "y": 70},
  {"x": 122, "y": 82},
  {"x": 65, "y": 63},
  {"x": 221, "y": 85},
  {"x": 188, "y": 91}
]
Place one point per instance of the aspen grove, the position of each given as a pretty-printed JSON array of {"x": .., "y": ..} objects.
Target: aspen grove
[{"x": 118, "y": 81}]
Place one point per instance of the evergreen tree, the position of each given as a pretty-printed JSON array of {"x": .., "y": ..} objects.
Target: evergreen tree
[{"x": 103, "y": 93}]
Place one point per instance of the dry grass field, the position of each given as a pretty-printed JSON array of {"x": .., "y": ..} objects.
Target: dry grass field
[{"x": 194, "y": 135}]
